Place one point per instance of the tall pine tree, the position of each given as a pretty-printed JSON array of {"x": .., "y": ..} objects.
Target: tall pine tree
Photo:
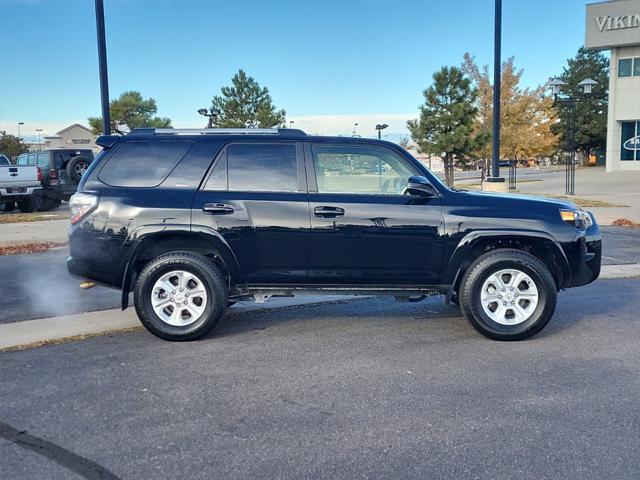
[
  {"x": 591, "y": 116},
  {"x": 245, "y": 104},
  {"x": 447, "y": 121}
]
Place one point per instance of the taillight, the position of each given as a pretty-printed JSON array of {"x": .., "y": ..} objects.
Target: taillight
[
  {"x": 39, "y": 174},
  {"x": 81, "y": 204},
  {"x": 53, "y": 177}
]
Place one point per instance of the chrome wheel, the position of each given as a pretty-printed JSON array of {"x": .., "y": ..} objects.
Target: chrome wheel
[
  {"x": 509, "y": 297},
  {"x": 179, "y": 298}
]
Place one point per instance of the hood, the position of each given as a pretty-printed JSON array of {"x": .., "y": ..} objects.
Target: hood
[{"x": 515, "y": 200}]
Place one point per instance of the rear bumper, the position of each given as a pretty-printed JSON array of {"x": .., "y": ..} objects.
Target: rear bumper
[
  {"x": 585, "y": 257},
  {"x": 7, "y": 195}
]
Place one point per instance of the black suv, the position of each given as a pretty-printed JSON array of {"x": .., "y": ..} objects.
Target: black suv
[
  {"x": 61, "y": 172},
  {"x": 195, "y": 220}
]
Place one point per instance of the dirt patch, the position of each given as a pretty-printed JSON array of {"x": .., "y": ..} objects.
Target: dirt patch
[
  {"x": 625, "y": 222},
  {"x": 29, "y": 248},
  {"x": 33, "y": 217}
]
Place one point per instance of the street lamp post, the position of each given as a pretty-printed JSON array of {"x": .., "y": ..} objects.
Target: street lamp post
[
  {"x": 291, "y": 122},
  {"x": 570, "y": 102},
  {"x": 19, "y": 123},
  {"x": 211, "y": 114},
  {"x": 379, "y": 128},
  {"x": 102, "y": 68},
  {"x": 39, "y": 144},
  {"x": 355, "y": 126}
]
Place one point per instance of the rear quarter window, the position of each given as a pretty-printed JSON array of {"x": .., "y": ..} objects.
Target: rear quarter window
[{"x": 142, "y": 164}]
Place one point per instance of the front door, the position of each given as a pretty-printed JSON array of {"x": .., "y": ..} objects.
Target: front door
[
  {"x": 364, "y": 229},
  {"x": 256, "y": 199}
]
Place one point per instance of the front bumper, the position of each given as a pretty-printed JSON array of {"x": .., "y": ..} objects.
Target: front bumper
[{"x": 585, "y": 256}]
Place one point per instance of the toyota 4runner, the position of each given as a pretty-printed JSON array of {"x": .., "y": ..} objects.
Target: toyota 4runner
[{"x": 192, "y": 221}]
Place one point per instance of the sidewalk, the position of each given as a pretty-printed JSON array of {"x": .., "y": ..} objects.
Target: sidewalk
[{"x": 33, "y": 232}]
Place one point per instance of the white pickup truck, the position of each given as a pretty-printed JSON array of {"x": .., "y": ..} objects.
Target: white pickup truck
[{"x": 21, "y": 185}]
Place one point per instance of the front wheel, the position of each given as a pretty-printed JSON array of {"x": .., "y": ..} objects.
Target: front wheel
[
  {"x": 508, "y": 294},
  {"x": 180, "y": 296}
]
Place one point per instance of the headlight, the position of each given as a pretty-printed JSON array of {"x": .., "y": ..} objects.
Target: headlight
[
  {"x": 577, "y": 218},
  {"x": 81, "y": 204}
]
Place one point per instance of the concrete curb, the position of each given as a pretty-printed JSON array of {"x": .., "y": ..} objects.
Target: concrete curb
[{"x": 31, "y": 333}]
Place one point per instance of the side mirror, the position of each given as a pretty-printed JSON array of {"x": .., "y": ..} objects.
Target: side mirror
[{"x": 419, "y": 185}]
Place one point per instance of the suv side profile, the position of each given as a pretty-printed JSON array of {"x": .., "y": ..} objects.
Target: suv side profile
[
  {"x": 193, "y": 221},
  {"x": 61, "y": 173}
]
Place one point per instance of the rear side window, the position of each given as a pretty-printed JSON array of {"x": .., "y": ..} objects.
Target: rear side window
[
  {"x": 43, "y": 160},
  {"x": 262, "y": 167},
  {"x": 22, "y": 160},
  {"x": 142, "y": 164}
]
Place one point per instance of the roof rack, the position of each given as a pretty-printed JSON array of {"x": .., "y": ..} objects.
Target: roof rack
[{"x": 218, "y": 131}]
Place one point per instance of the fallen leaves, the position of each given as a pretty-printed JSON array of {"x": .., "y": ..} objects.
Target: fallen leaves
[
  {"x": 29, "y": 248},
  {"x": 625, "y": 222}
]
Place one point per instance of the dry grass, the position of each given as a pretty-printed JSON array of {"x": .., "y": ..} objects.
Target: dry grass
[
  {"x": 582, "y": 202},
  {"x": 33, "y": 217}
]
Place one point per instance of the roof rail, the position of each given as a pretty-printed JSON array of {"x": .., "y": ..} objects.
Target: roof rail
[{"x": 217, "y": 131}]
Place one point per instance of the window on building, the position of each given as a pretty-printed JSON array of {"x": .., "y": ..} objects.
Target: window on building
[
  {"x": 363, "y": 170},
  {"x": 630, "y": 145},
  {"x": 628, "y": 67},
  {"x": 262, "y": 168}
]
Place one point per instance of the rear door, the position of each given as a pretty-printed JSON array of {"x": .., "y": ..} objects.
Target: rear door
[
  {"x": 364, "y": 229},
  {"x": 255, "y": 197}
]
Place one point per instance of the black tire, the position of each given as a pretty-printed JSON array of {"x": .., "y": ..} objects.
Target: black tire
[
  {"x": 494, "y": 261},
  {"x": 9, "y": 206},
  {"x": 212, "y": 280},
  {"x": 76, "y": 168},
  {"x": 50, "y": 204},
  {"x": 31, "y": 204}
]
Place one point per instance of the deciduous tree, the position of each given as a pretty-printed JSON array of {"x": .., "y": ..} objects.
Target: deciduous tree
[{"x": 12, "y": 146}]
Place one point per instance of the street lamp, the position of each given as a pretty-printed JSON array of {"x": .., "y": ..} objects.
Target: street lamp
[
  {"x": 355, "y": 126},
  {"x": 379, "y": 128},
  {"x": 586, "y": 87},
  {"x": 39, "y": 144},
  {"x": 291, "y": 122},
  {"x": 19, "y": 123},
  {"x": 211, "y": 114}
]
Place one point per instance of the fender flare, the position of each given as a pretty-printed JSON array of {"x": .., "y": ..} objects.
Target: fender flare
[
  {"x": 203, "y": 236},
  {"x": 454, "y": 267}
]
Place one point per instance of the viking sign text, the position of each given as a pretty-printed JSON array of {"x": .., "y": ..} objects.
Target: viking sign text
[{"x": 618, "y": 23}]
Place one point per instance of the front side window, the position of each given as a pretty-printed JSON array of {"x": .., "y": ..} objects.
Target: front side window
[
  {"x": 261, "y": 168},
  {"x": 630, "y": 145},
  {"x": 142, "y": 164},
  {"x": 360, "y": 170}
]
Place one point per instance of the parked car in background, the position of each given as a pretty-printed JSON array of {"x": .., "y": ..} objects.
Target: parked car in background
[
  {"x": 61, "y": 169},
  {"x": 19, "y": 184},
  {"x": 193, "y": 221}
]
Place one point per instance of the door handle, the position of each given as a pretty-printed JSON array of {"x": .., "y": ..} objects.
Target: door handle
[
  {"x": 328, "y": 212},
  {"x": 218, "y": 208}
]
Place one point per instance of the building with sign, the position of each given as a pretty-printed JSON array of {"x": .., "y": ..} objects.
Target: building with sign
[
  {"x": 73, "y": 136},
  {"x": 615, "y": 26}
]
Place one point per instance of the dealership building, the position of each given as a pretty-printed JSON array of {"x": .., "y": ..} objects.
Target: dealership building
[{"x": 615, "y": 26}]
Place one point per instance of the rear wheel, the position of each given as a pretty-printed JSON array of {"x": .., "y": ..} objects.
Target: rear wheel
[
  {"x": 8, "y": 206},
  {"x": 31, "y": 204},
  {"x": 180, "y": 296},
  {"x": 508, "y": 294}
]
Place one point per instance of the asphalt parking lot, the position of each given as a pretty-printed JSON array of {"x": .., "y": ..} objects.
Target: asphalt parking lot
[{"x": 368, "y": 388}]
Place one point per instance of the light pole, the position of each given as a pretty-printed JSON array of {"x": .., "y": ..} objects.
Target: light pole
[
  {"x": 586, "y": 86},
  {"x": 102, "y": 68},
  {"x": 355, "y": 126},
  {"x": 379, "y": 128},
  {"x": 19, "y": 123},
  {"x": 211, "y": 114},
  {"x": 291, "y": 122},
  {"x": 39, "y": 144}
]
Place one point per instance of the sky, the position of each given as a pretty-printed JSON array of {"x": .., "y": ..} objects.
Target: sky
[{"x": 328, "y": 63}]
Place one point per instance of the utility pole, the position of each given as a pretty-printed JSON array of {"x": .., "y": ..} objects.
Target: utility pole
[
  {"x": 102, "y": 63},
  {"x": 497, "y": 73}
]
